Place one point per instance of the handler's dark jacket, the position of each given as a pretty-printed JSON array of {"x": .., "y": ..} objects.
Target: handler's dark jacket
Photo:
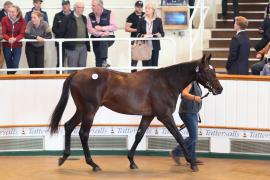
[{"x": 188, "y": 106}]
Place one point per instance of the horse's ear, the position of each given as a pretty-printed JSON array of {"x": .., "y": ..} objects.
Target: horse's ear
[
  {"x": 203, "y": 58},
  {"x": 203, "y": 61},
  {"x": 209, "y": 58}
]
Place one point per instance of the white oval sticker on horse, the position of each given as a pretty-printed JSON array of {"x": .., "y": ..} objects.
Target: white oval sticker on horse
[
  {"x": 211, "y": 67},
  {"x": 94, "y": 76}
]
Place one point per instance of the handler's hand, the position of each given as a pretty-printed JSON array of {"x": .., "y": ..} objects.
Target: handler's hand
[{"x": 197, "y": 99}]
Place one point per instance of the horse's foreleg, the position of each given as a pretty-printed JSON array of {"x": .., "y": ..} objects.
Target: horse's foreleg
[
  {"x": 84, "y": 136},
  {"x": 145, "y": 122},
  {"x": 171, "y": 126},
  {"x": 69, "y": 127}
]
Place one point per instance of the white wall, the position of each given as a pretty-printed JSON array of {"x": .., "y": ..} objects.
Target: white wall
[
  {"x": 31, "y": 102},
  {"x": 242, "y": 104}
]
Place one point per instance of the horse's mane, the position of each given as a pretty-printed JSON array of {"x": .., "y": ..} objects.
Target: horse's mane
[
  {"x": 179, "y": 75},
  {"x": 183, "y": 68}
]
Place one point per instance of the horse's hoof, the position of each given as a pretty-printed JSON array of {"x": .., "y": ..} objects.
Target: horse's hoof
[
  {"x": 96, "y": 169},
  {"x": 61, "y": 161},
  {"x": 133, "y": 166},
  {"x": 194, "y": 168}
]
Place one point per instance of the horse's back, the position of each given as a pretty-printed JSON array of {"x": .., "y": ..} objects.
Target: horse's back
[{"x": 127, "y": 93}]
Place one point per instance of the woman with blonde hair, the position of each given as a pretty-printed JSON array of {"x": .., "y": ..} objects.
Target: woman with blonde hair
[
  {"x": 13, "y": 29},
  {"x": 151, "y": 26}
]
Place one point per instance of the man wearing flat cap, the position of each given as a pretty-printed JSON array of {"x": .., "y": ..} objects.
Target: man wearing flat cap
[
  {"x": 58, "y": 18},
  {"x": 132, "y": 22},
  {"x": 37, "y": 7}
]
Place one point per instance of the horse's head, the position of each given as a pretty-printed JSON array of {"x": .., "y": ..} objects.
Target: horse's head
[{"x": 206, "y": 76}]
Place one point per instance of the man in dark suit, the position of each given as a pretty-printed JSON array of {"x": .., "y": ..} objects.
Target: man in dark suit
[
  {"x": 224, "y": 8},
  {"x": 239, "y": 48}
]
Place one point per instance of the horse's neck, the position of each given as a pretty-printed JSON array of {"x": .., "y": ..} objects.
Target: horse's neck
[{"x": 179, "y": 76}]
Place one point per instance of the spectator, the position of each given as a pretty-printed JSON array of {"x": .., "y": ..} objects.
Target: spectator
[
  {"x": 264, "y": 56},
  {"x": 191, "y": 3},
  {"x": 264, "y": 30},
  {"x": 224, "y": 8},
  {"x": 101, "y": 24},
  {"x": 4, "y": 11},
  {"x": 151, "y": 26},
  {"x": 132, "y": 23},
  {"x": 1, "y": 52},
  {"x": 190, "y": 106},
  {"x": 39, "y": 30},
  {"x": 74, "y": 26},
  {"x": 37, "y": 7},
  {"x": 239, "y": 48},
  {"x": 13, "y": 28},
  {"x": 57, "y": 21}
]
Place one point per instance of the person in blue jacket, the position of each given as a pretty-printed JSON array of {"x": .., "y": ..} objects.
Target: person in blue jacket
[
  {"x": 237, "y": 62},
  {"x": 37, "y": 7}
]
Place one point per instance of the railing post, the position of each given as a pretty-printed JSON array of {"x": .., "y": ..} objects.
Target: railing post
[
  {"x": 202, "y": 22},
  {"x": 60, "y": 56},
  {"x": 129, "y": 54}
]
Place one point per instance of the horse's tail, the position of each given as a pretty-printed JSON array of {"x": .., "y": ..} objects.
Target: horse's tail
[{"x": 60, "y": 107}]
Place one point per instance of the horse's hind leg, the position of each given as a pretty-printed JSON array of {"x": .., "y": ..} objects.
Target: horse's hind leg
[
  {"x": 69, "y": 127},
  {"x": 84, "y": 135},
  {"x": 145, "y": 122},
  {"x": 171, "y": 126}
]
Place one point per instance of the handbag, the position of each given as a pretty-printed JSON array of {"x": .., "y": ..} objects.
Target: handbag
[{"x": 141, "y": 51}]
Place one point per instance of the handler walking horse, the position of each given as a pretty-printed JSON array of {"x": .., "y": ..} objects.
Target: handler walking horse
[{"x": 148, "y": 93}]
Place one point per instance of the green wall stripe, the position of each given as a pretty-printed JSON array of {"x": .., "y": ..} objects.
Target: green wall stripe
[{"x": 142, "y": 153}]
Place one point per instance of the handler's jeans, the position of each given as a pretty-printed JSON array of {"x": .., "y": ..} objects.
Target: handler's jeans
[{"x": 191, "y": 122}]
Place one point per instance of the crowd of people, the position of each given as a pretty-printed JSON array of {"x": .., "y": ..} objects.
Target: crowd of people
[{"x": 72, "y": 23}]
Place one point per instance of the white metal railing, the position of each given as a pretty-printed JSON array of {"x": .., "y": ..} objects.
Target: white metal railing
[
  {"x": 200, "y": 5},
  {"x": 61, "y": 41}
]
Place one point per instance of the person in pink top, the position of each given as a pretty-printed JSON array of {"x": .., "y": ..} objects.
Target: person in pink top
[{"x": 101, "y": 24}]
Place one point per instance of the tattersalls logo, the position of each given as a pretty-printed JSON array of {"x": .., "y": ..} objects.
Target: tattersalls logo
[
  {"x": 151, "y": 131},
  {"x": 8, "y": 131},
  {"x": 221, "y": 133}
]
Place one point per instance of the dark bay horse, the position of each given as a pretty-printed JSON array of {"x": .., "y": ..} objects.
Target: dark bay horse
[{"x": 150, "y": 93}]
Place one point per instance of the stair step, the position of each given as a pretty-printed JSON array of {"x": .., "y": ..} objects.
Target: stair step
[
  {"x": 248, "y": 15},
  {"x": 225, "y": 59},
  {"x": 225, "y": 42},
  {"x": 222, "y": 64},
  {"x": 229, "y": 23},
  {"x": 228, "y": 33},
  {"x": 249, "y": 6},
  {"x": 224, "y": 52}
]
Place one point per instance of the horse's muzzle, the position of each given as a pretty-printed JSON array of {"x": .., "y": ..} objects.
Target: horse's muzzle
[{"x": 217, "y": 91}]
